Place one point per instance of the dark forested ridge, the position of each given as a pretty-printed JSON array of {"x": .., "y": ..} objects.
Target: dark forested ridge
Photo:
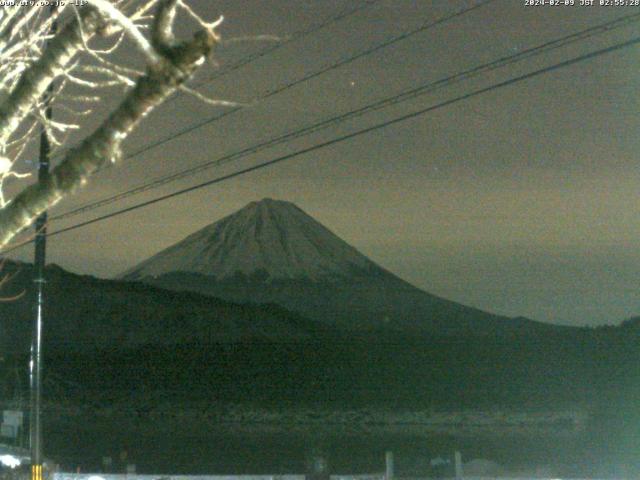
[
  {"x": 110, "y": 335},
  {"x": 123, "y": 353}
]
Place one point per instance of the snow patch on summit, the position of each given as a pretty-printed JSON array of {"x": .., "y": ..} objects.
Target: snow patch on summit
[{"x": 269, "y": 237}]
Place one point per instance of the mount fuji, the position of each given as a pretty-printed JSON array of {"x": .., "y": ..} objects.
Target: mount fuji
[
  {"x": 271, "y": 239},
  {"x": 273, "y": 252}
]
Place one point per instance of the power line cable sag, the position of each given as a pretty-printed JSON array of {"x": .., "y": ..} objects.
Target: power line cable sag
[
  {"x": 334, "y": 141},
  {"x": 264, "y": 52},
  {"x": 388, "y": 101},
  {"x": 282, "y": 88}
]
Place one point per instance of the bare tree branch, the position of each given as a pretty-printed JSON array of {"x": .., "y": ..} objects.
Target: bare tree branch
[
  {"x": 115, "y": 15},
  {"x": 36, "y": 79},
  {"x": 177, "y": 63}
]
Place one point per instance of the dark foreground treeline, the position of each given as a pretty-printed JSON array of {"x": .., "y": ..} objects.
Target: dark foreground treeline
[
  {"x": 111, "y": 345},
  {"x": 597, "y": 369},
  {"x": 584, "y": 367}
]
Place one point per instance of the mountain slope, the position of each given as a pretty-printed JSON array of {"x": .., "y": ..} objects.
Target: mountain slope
[
  {"x": 270, "y": 237},
  {"x": 272, "y": 252},
  {"x": 84, "y": 312}
]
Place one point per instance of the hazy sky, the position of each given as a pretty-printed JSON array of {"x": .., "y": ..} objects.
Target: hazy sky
[{"x": 522, "y": 201}]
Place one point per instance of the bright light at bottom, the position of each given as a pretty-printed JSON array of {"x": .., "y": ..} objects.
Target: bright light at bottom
[{"x": 10, "y": 461}]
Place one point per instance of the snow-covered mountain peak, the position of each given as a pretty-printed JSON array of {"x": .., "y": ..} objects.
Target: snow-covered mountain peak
[
  {"x": 293, "y": 261},
  {"x": 270, "y": 238}
]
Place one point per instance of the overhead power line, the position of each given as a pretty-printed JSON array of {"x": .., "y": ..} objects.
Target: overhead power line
[
  {"x": 288, "y": 85},
  {"x": 383, "y": 103},
  {"x": 248, "y": 59},
  {"x": 343, "y": 138}
]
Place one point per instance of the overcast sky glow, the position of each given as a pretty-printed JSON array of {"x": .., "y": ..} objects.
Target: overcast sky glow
[{"x": 522, "y": 201}]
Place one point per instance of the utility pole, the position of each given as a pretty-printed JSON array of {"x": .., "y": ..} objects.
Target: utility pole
[
  {"x": 389, "y": 465},
  {"x": 35, "y": 363}
]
